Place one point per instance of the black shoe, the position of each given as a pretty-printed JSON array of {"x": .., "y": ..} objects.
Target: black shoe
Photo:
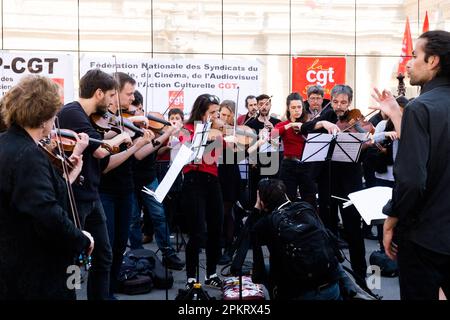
[{"x": 173, "y": 262}]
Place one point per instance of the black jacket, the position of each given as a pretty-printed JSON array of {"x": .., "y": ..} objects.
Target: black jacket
[
  {"x": 420, "y": 198},
  {"x": 37, "y": 239}
]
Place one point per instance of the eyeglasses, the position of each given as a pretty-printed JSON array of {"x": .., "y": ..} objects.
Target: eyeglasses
[{"x": 315, "y": 98}]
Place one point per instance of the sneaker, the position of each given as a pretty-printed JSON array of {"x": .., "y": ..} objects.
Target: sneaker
[
  {"x": 189, "y": 285},
  {"x": 214, "y": 282},
  {"x": 173, "y": 262}
]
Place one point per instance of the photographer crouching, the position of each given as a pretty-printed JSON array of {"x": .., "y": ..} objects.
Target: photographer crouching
[{"x": 303, "y": 263}]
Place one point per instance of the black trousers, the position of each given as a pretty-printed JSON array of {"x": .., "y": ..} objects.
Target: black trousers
[
  {"x": 345, "y": 178},
  {"x": 202, "y": 200},
  {"x": 93, "y": 220},
  {"x": 296, "y": 174},
  {"x": 422, "y": 272}
]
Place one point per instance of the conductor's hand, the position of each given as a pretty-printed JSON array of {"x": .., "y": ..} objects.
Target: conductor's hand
[
  {"x": 386, "y": 102},
  {"x": 91, "y": 246},
  {"x": 388, "y": 233}
]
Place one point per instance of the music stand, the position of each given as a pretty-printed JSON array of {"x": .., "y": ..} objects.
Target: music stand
[
  {"x": 339, "y": 147},
  {"x": 199, "y": 142}
]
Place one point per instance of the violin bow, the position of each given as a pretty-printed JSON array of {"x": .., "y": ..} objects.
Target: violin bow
[
  {"x": 257, "y": 112},
  {"x": 116, "y": 76},
  {"x": 146, "y": 88},
  {"x": 173, "y": 100},
  {"x": 73, "y": 207},
  {"x": 235, "y": 113},
  {"x": 320, "y": 113}
]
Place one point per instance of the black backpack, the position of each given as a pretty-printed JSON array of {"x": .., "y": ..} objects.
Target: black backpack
[{"x": 308, "y": 254}]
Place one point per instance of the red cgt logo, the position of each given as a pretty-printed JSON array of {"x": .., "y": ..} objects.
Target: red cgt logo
[{"x": 176, "y": 99}]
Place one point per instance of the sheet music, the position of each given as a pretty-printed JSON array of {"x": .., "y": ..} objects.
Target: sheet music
[
  {"x": 183, "y": 157},
  {"x": 348, "y": 146},
  {"x": 370, "y": 202},
  {"x": 199, "y": 140},
  {"x": 316, "y": 147}
]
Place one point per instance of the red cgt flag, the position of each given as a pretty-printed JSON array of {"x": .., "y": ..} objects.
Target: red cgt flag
[
  {"x": 407, "y": 47},
  {"x": 426, "y": 23}
]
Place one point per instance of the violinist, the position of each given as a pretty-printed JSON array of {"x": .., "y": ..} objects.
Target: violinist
[
  {"x": 166, "y": 155},
  {"x": 315, "y": 100},
  {"x": 116, "y": 183},
  {"x": 230, "y": 181},
  {"x": 2, "y": 123},
  {"x": 202, "y": 198},
  {"x": 345, "y": 178},
  {"x": 145, "y": 174},
  {"x": 38, "y": 240},
  {"x": 252, "y": 106},
  {"x": 267, "y": 162},
  {"x": 97, "y": 92},
  {"x": 294, "y": 173}
]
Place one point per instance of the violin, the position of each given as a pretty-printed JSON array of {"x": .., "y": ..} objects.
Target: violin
[
  {"x": 156, "y": 122},
  {"x": 244, "y": 135},
  {"x": 109, "y": 121},
  {"x": 68, "y": 139},
  {"x": 50, "y": 149},
  {"x": 354, "y": 121}
]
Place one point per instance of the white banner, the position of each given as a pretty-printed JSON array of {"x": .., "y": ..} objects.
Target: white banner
[
  {"x": 58, "y": 67},
  {"x": 177, "y": 83}
]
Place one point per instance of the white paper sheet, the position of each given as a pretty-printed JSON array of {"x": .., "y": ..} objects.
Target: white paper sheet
[
  {"x": 199, "y": 141},
  {"x": 183, "y": 157},
  {"x": 370, "y": 202},
  {"x": 316, "y": 148},
  {"x": 351, "y": 144}
]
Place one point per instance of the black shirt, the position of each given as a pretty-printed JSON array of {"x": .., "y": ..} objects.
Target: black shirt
[
  {"x": 327, "y": 114},
  {"x": 120, "y": 179},
  {"x": 144, "y": 170},
  {"x": 73, "y": 117},
  {"x": 257, "y": 125},
  {"x": 420, "y": 198}
]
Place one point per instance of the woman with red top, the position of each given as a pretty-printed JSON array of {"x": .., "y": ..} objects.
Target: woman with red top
[
  {"x": 202, "y": 198},
  {"x": 294, "y": 173}
]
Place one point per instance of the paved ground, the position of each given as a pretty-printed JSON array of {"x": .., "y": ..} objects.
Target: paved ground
[{"x": 389, "y": 288}]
